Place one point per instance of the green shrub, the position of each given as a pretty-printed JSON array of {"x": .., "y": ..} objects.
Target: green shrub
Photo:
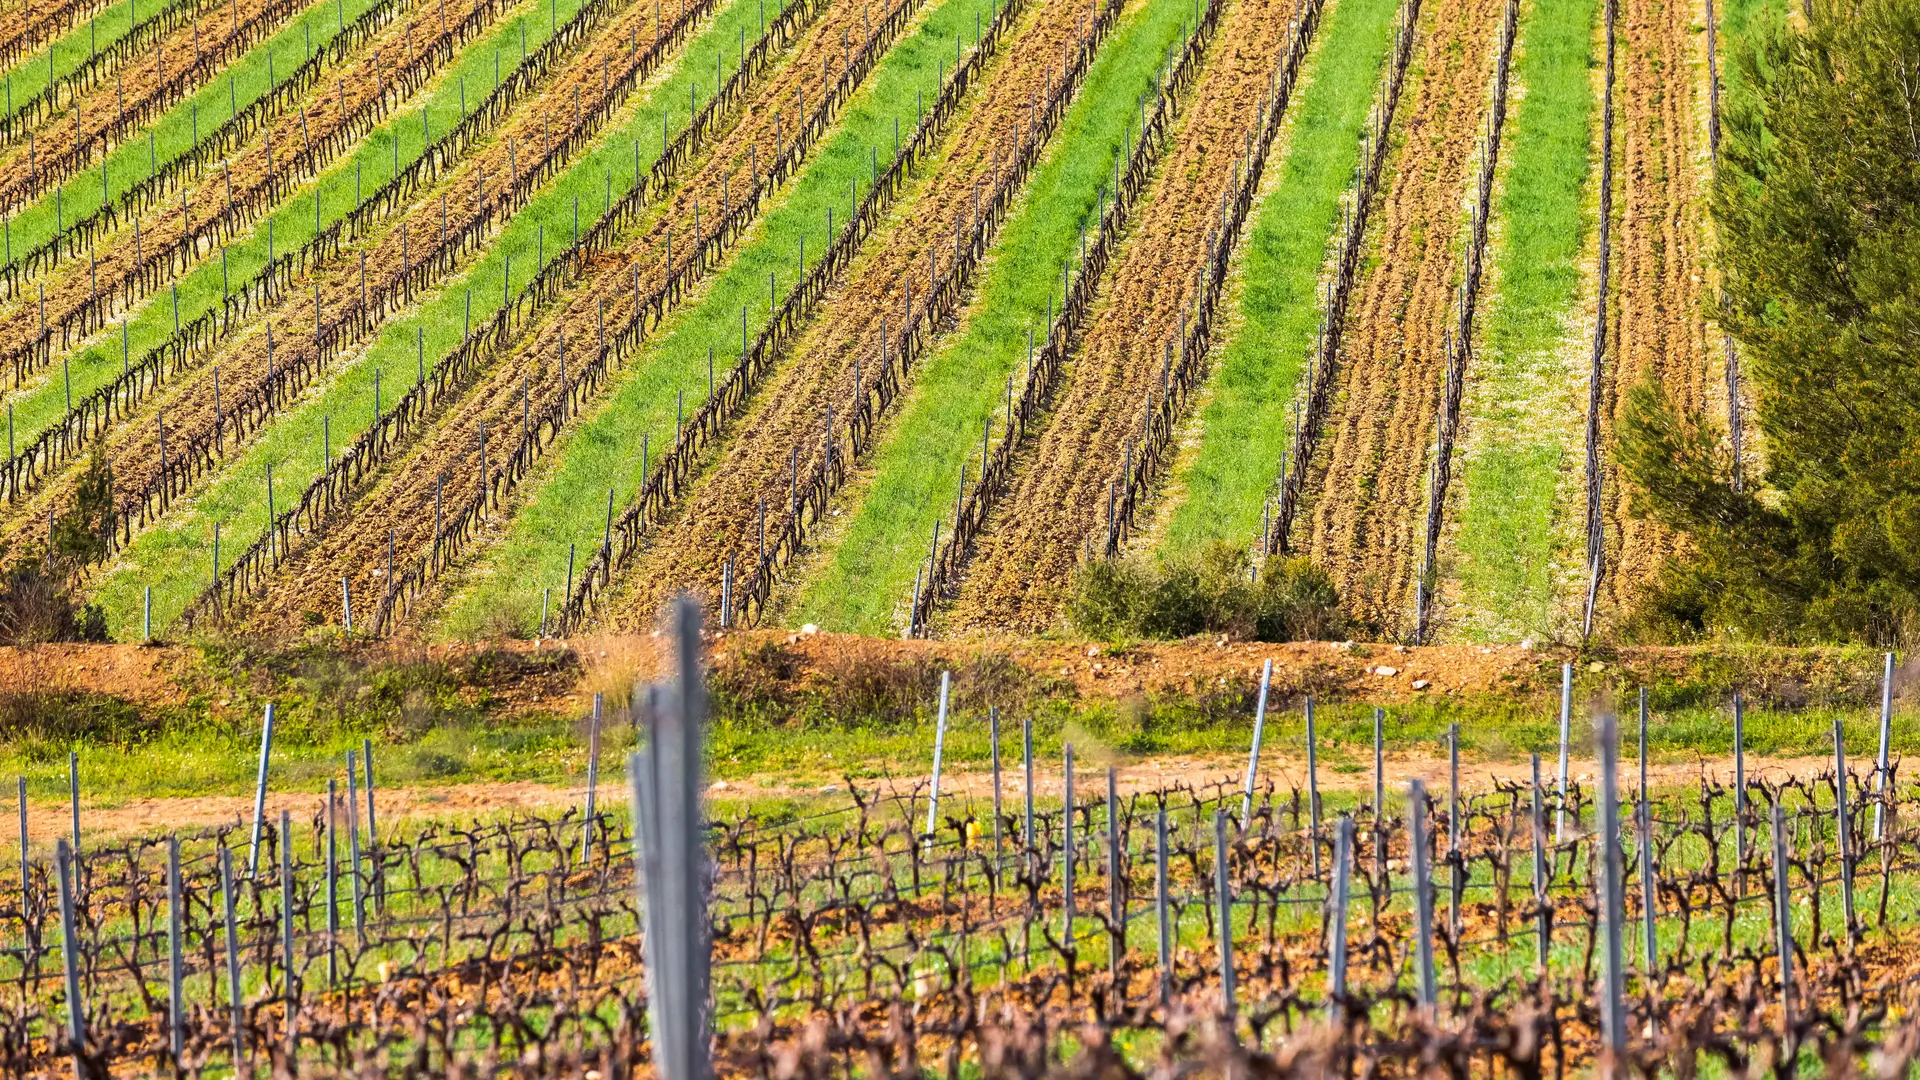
[{"x": 1213, "y": 593}]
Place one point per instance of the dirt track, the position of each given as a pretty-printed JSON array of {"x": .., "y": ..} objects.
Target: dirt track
[
  {"x": 1658, "y": 247},
  {"x": 140, "y": 78},
  {"x": 1028, "y": 551},
  {"x": 1370, "y": 482},
  {"x": 116, "y": 267},
  {"x": 721, "y": 517},
  {"x": 402, "y": 504},
  {"x": 243, "y": 361},
  {"x": 48, "y": 820}
]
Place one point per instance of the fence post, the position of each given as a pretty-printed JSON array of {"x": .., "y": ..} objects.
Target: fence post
[
  {"x": 1026, "y": 763},
  {"x": 73, "y": 797},
  {"x": 1880, "y": 764},
  {"x": 1253, "y": 756},
  {"x": 993, "y": 736},
  {"x": 670, "y": 853},
  {"x": 1457, "y": 865},
  {"x": 1160, "y": 905},
  {"x": 1223, "y": 901},
  {"x": 290, "y": 986},
  {"x": 64, "y": 857},
  {"x": 1783, "y": 927},
  {"x": 1613, "y": 1014},
  {"x": 358, "y": 896},
  {"x": 1066, "y": 856},
  {"x": 1313, "y": 790},
  {"x": 1566, "y": 715},
  {"x": 593, "y": 778},
  {"x": 260, "y": 793},
  {"x": 1379, "y": 795},
  {"x": 233, "y": 963},
  {"x": 1739, "y": 794},
  {"x": 333, "y": 885},
  {"x": 26, "y": 865},
  {"x": 1544, "y": 914},
  {"x": 1337, "y": 919},
  {"x": 373, "y": 830},
  {"x": 1649, "y": 892},
  {"x": 1422, "y": 892},
  {"x": 1116, "y": 895},
  {"x": 1842, "y": 830},
  {"x": 176, "y": 1007},
  {"x": 939, "y": 748}
]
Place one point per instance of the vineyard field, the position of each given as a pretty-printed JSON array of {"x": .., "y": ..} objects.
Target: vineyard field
[{"x": 453, "y": 319}]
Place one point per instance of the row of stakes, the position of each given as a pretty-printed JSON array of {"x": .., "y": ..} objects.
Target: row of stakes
[{"x": 649, "y": 783}]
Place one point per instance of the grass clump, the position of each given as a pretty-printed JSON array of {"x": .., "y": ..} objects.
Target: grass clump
[{"x": 1213, "y": 593}]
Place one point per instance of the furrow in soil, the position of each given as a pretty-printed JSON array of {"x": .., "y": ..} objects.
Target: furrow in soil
[
  {"x": 1365, "y": 518},
  {"x": 150, "y": 80},
  {"x": 1661, "y": 334},
  {"x": 125, "y": 268},
  {"x": 1026, "y": 556},
  {"x": 722, "y": 518},
  {"x": 245, "y": 364},
  {"x": 447, "y": 458}
]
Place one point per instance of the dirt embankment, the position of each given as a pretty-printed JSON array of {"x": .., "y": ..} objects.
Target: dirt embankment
[
  {"x": 141, "y": 77},
  {"x": 898, "y": 679},
  {"x": 1370, "y": 481},
  {"x": 721, "y": 518},
  {"x": 1662, "y": 332},
  {"x": 1027, "y": 553},
  {"x": 533, "y": 373},
  {"x": 126, "y": 266}
]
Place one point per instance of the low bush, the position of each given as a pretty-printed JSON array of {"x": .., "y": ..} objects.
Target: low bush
[{"x": 1215, "y": 593}]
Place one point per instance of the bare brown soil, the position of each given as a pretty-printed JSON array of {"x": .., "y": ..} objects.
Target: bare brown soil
[
  {"x": 116, "y": 264},
  {"x": 141, "y": 77},
  {"x": 402, "y": 504},
  {"x": 244, "y": 364},
  {"x": 1367, "y": 517},
  {"x": 1028, "y": 551},
  {"x": 1662, "y": 332},
  {"x": 721, "y": 518}
]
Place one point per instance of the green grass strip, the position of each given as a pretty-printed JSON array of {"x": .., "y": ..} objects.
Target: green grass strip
[
  {"x": 171, "y": 136},
  {"x": 33, "y": 74},
  {"x": 1511, "y": 480},
  {"x": 175, "y": 557},
  {"x": 371, "y": 165},
  {"x": 964, "y": 381},
  {"x": 1244, "y": 429},
  {"x": 569, "y": 507}
]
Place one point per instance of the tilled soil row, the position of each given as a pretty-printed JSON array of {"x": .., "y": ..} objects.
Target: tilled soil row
[
  {"x": 602, "y": 281},
  {"x": 194, "y": 428},
  {"x": 1055, "y": 499},
  {"x": 662, "y": 487},
  {"x": 1459, "y": 342},
  {"x": 974, "y": 507},
  {"x": 1393, "y": 355},
  {"x": 1661, "y": 330},
  {"x": 850, "y": 366},
  {"x": 201, "y": 337},
  {"x": 55, "y": 153},
  {"x": 25, "y": 27},
  {"x": 251, "y": 182},
  {"x": 1166, "y": 405},
  {"x": 162, "y": 19},
  {"x": 1370, "y": 166},
  {"x": 617, "y": 295}
]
